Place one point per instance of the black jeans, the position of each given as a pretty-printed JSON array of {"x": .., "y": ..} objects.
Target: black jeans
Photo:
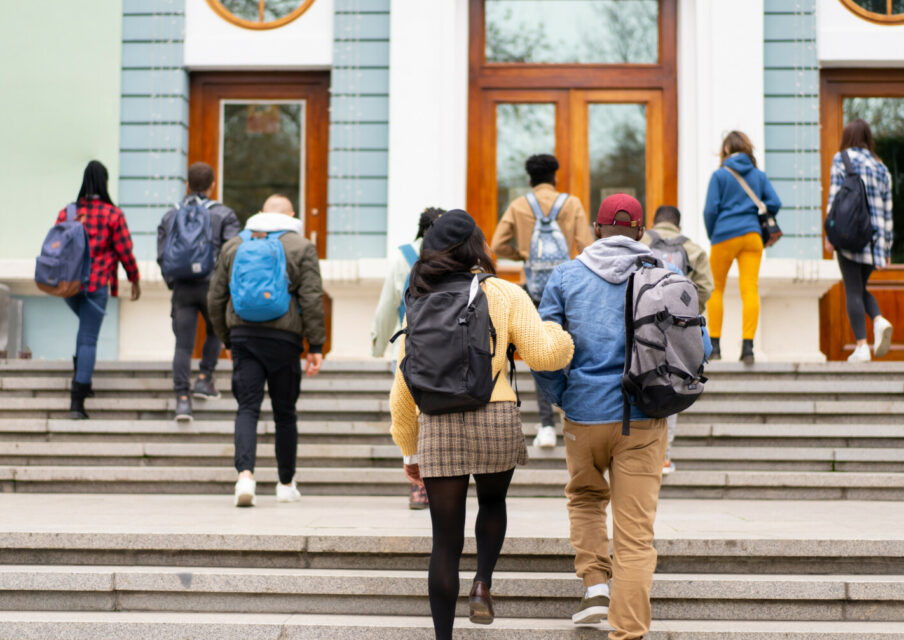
[
  {"x": 256, "y": 361},
  {"x": 190, "y": 299},
  {"x": 547, "y": 415},
  {"x": 860, "y": 302}
]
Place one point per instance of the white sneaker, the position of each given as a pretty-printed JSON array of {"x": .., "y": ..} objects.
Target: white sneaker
[
  {"x": 546, "y": 437},
  {"x": 287, "y": 492},
  {"x": 861, "y": 354},
  {"x": 244, "y": 492},
  {"x": 882, "y": 329}
]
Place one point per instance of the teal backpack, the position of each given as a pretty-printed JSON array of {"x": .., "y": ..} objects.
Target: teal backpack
[
  {"x": 411, "y": 256},
  {"x": 259, "y": 285}
]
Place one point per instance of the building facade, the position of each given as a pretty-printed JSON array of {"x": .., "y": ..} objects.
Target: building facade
[{"x": 364, "y": 112}]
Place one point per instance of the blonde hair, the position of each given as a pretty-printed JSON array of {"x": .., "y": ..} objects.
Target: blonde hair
[{"x": 737, "y": 142}]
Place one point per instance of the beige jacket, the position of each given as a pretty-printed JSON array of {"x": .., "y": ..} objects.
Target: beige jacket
[
  {"x": 512, "y": 237},
  {"x": 701, "y": 273}
]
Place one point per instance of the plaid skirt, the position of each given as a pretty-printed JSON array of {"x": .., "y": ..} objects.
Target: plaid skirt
[{"x": 486, "y": 440}]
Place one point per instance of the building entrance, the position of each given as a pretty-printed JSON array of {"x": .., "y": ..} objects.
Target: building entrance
[{"x": 877, "y": 96}]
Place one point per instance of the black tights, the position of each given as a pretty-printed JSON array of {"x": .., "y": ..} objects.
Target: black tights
[
  {"x": 860, "y": 302},
  {"x": 447, "y": 498}
]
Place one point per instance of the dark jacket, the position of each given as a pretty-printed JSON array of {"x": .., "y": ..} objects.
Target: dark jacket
[
  {"x": 304, "y": 320},
  {"x": 729, "y": 212},
  {"x": 224, "y": 225}
]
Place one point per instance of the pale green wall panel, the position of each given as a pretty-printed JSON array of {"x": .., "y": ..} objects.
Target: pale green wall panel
[
  {"x": 370, "y": 164},
  {"x": 360, "y": 109},
  {"x": 345, "y": 191},
  {"x": 356, "y": 245},
  {"x": 61, "y": 109},
  {"x": 50, "y": 329},
  {"x": 355, "y": 25},
  {"x": 360, "y": 219}
]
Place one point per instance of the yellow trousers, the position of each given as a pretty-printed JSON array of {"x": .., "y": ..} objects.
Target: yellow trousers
[{"x": 748, "y": 251}]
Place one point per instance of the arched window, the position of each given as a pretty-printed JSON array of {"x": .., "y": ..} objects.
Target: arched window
[
  {"x": 878, "y": 11},
  {"x": 259, "y": 14}
]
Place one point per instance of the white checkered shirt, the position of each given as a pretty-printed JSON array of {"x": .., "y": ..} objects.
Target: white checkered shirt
[{"x": 877, "y": 180}]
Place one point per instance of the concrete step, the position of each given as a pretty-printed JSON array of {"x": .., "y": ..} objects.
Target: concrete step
[
  {"x": 341, "y": 481},
  {"x": 202, "y": 454},
  {"x": 404, "y": 593},
  {"x": 224, "y": 626},
  {"x": 377, "y": 408}
]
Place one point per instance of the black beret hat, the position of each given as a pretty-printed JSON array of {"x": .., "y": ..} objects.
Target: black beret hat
[{"x": 450, "y": 230}]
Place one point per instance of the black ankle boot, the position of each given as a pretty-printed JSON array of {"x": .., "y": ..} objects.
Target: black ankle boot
[
  {"x": 90, "y": 393},
  {"x": 747, "y": 352},
  {"x": 717, "y": 352},
  {"x": 77, "y": 400}
]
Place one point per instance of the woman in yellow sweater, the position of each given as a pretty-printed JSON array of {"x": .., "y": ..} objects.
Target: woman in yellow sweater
[{"x": 443, "y": 451}]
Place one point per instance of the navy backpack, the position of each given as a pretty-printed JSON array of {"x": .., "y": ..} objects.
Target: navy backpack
[
  {"x": 188, "y": 248},
  {"x": 65, "y": 261}
]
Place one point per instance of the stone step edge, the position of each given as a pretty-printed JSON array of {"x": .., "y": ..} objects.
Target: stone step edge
[
  {"x": 383, "y": 583},
  {"x": 341, "y": 542},
  {"x": 156, "y": 625}
]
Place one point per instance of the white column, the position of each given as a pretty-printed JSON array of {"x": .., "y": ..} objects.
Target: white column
[
  {"x": 428, "y": 112},
  {"x": 720, "y": 88}
]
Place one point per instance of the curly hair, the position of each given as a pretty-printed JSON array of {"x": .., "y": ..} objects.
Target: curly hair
[
  {"x": 541, "y": 168},
  {"x": 428, "y": 217}
]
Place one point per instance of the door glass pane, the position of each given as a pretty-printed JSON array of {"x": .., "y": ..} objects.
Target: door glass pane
[
  {"x": 876, "y": 6},
  {"x": 897, "y": 6},
  {"x": 262, "y": 154},
  {"x": 522, "y": 130},
  {"x": 572, "y": 31},
  {"x": 245, "y": 9},
  {"x": 618, "y": 151},
  {"x": 886, "y": 120}
]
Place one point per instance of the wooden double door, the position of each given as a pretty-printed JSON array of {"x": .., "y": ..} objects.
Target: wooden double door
[
  {"x": 264, "y": 133},
  {"x": 877, "y": 96}
]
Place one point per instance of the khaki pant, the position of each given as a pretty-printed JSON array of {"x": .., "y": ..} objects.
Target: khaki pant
[{"x": 634, "y": 463}]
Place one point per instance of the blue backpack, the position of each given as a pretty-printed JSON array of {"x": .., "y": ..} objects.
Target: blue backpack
[
  {"x": 411, "y": 256},
  {"x": 259, "y": 285},
  {"x": 188, "y": 248},
  {"x": 65, "y": 261},
  {"x": 548, "y": 246}
]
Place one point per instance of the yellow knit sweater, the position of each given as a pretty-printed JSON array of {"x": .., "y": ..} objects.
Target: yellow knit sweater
[{"x": 544, "y": 346}]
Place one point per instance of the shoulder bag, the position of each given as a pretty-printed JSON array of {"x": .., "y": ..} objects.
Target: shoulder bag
[{"x": 772, "y": 233}]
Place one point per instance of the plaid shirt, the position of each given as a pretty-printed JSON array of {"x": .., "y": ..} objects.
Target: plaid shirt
[
  {"x": 110, "y": 242},
  {"x": 877, "y": 180}
]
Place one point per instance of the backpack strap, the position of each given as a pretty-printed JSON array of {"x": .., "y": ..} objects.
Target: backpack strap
[
  {"x": 411, "y": 256},
  {"x": 513, "y": 379},
  {"x": 557, "y": 207},
  {"x": 629, "y": 350},
  {"x": 848, "y": 165},
  {"x": 761, "y": 208},
  {"x": 409, "y": 253},
  {"x": 72, "y": 212},
  {"x": 654, "y": 236},
  {"x": 534, "y": 205}
]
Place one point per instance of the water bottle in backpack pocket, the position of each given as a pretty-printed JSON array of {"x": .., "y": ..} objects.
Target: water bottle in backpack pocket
[
  {"x": 64, "y": 265},
  {"x": 188, "y": 248},
  {"x": 259, "y": 283},
  {"x": 548, "y": 246},
  {"x": 664, "y": 343}
]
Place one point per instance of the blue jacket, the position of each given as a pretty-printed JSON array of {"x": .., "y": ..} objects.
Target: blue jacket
[
  {"x": 587, "y": 297},
  {"x": 729, "y": 212}
]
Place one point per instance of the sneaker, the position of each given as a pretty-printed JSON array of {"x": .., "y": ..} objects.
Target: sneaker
[
  {"x": 205, "y": 389},
  {"x": 417, "y": 498},
  {"x": 244, "y": 492},
  {"x": 287, "y": 492},
  {"x": 183, "y": 409},
  {"x": 546, "y": 437},
  {"x": 882, "y": 329},
  {"x": 861, "y": 354},
  {"x": 668, "y": 467},
  {"x": 594, "y": 609}
]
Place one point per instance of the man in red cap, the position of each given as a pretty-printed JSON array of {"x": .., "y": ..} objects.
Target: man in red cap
[{"x": 587, "y": 295}]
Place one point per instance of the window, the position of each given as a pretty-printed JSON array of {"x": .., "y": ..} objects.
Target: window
[
  {"x": 259, "y": 14},
  {"x": 878, "y": 11}
]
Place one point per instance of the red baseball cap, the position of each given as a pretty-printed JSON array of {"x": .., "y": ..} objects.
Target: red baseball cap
[{"x": 620, "y": 202}]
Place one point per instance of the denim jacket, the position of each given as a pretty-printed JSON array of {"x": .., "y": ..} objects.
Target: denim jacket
[{"x": 587, "y": 297}]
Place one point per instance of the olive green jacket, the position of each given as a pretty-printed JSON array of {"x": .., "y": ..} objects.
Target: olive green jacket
[{"x": 304, "y": 319}]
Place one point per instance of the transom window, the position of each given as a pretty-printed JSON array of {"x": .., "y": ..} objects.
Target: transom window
[
  {"x": 259, "y": 14},
  {"x": 879, "y": 11}
]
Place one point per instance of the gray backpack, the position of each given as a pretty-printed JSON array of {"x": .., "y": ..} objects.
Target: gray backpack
[
  {"x": 664, "y": 351},
  {"x": 670, "y": 250}
]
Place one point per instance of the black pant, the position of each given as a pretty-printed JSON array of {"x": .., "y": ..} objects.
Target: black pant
[
  {"x": 860, "y": 302},
  {"x": 547, "y": 415},
  {"x": 447, "y": 498},
  {"x": 276, "y": 362},
  {"x": 190, "y": 299}
]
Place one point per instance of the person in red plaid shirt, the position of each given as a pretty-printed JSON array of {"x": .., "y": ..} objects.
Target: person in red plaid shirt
[{"x": 111, "y": 244}]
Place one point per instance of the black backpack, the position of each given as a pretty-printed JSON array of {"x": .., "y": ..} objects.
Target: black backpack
[
  {"x": 448, "y": 363},
  {"x": 848, "y": 224}
]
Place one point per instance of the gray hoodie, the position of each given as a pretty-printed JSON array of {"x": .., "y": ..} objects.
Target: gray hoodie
[{"x": 614, "y": 259}]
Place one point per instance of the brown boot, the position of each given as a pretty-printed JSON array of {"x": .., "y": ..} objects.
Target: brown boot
[{"x": 481, "y": 604}]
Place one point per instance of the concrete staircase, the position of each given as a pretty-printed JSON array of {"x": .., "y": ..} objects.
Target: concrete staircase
[{"x": 785, "y": 518}]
